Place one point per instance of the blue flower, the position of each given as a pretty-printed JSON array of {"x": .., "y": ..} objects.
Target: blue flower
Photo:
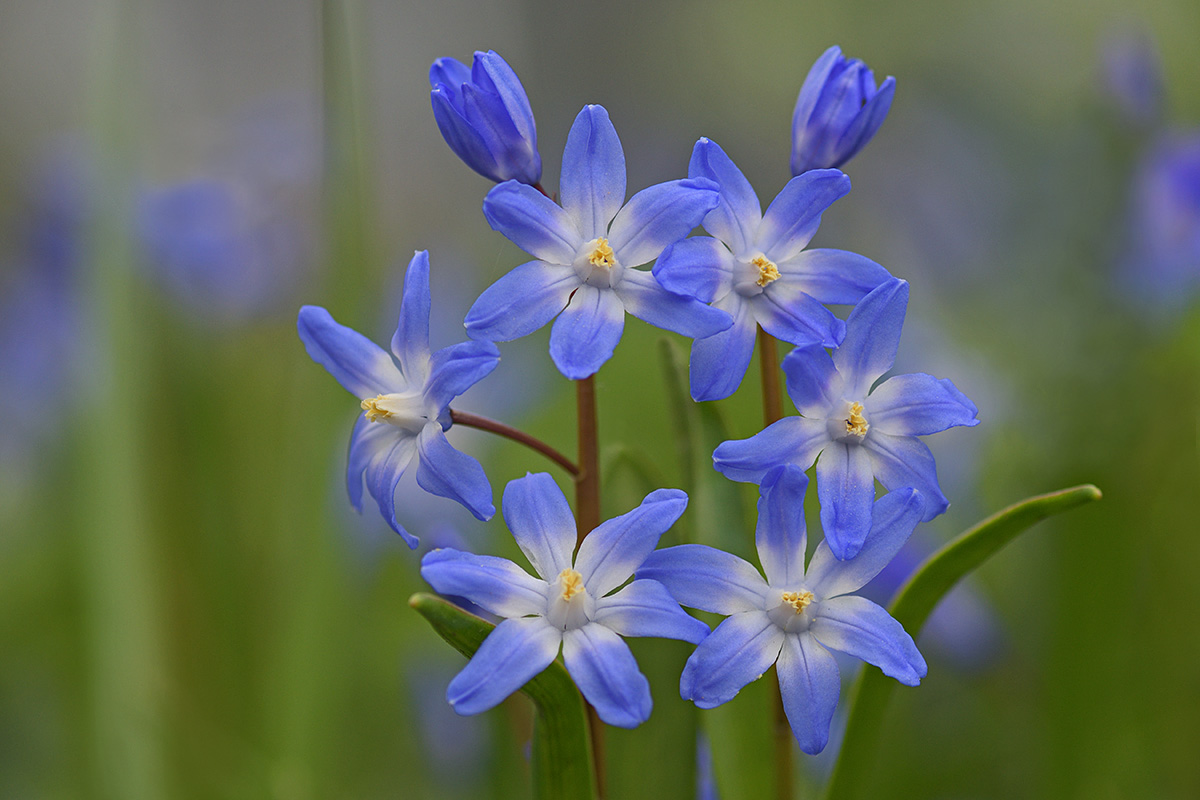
[
  {"x": 485, "y": 117},
  {"x": 860, "y": 435},
  {"x": 794, "y": 617},
  {"x": 568, "y": 604},
  {"x": 585, "y": 251},
  {"x": 405, "y": 402},
  {"x": 838, "y": 111},
  {"x": 757, "y": 270}
]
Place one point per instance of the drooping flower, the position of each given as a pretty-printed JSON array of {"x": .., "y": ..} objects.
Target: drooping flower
[
  {"x": 485, "y": 117},
  {"x": 838, "y": 111},
  {"x": 757, "y": 270},
  {"x": 859, "y": 434},
  {"x": 571, "y": 603},
  {"x": 585, "y": 251},
  {"x": 794, "y": 617},
  {"x": 405, "y": 402}
]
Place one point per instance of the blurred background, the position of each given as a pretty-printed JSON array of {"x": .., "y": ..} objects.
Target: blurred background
[{"x": 190, "y": 608}]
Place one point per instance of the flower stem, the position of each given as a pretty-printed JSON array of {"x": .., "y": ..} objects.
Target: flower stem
[
  {"x": 587, "y": 517},
  {"x": 508, "y": 432},
  {"x": 768, "y": 359}
]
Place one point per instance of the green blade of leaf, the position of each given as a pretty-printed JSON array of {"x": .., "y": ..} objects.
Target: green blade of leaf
[
  {"x": 913, "y": 605},
  {"x": 562, "y": 753}
]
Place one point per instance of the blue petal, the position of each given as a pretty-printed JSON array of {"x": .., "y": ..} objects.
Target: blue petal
[
  {"x": 451, "y": 72},
  {"x": 700, "y": 267},
  {"x": 810, "y": 94},
  {"x": 703, "y": 577},
  {"x": 521, "y": 302},
  {"x": 537, "y": 513},
  {"x": 410, "y": 342},
  {"x": 496, "y": 585},
  {"x": 905, "y": 461},
  {"x": 795, "y": 214},
  {"x": 512, "y": 654},
  {"x": 791, "y": 440},
  {"x": 357, "y": 363},
  {"x": 460, "y": 135},
  {"x": 606, "y": 672},
  {"x": 504, "y": 81},
  {"x": 610, "y": 553},
  {"x": 796, "y": 318},
  {"x": 642, "y": 296},
  {"x": 593, "y": 173},
  {"x": 779, "y": 536},
  {"x": 659, "y": 216},
  {"x": 867, "y": 123},
  {"x": 737, "y": 215},
  {"x": 587, "y": 331},
  {"x": 830, "y": 276},
  {"x": 809, "y": 683},
  {"x": 485, "y": 112},
  {"x": 872, "y": 337},
  {"x": 846, "y": 488},
  {"x": 368, "y": 441},
  {"x": 646, "y": 608},
  {"x": 719, "y": 362},
  {"x": 813, "y": 382},
  {"x": 446, "y": 472},
  {"x": 856, "y": 626},
  {"x": 383, "y": 473},
  {"x": 533, "y": 222},
  {"x": 457, "y": 368},
  {"x": 918, "y": 404},
  {"x": 893, "y": 519},
  {"x": 739, "y": 651}
]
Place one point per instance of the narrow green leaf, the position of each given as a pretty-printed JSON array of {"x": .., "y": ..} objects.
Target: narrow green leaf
[
  {"x": 562, "y": 752},
  {"x": 912, "y": 606}
]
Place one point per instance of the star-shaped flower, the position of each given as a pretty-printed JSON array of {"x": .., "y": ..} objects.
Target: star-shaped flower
[
  {"x": 859, "y": 434},
  {"x": 758, "y": 271},
  {"x": 586, "y": 250},
  {"x": 794, "y": 617},
  {"x": 405, "y": 402},
  {"x": 568, "y": 604}
]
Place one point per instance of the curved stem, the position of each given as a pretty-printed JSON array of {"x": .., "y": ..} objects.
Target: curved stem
[
  {"x": 508, "y": 432},
  {"x": 768, "y": 360}
]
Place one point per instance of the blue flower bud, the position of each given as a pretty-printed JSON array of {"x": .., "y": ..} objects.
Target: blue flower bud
[
  {"x": 485, "y": 117},
  {"x": 838, "y": 111}
]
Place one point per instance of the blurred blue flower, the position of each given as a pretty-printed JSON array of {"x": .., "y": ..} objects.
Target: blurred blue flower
[
  {"x": 792, "y": 617},
  {"x": 485, "y": 117},
  {"x": 859, "y": 435},
  {"x": 757, "y": 270},
  {"x": 1132, "y": 76},
  {"x": 568, "y": 604},
  {"x": 584, "y": 267},
  {"x": 838, "y": 111},
  {"x": 405, "y": 402}
]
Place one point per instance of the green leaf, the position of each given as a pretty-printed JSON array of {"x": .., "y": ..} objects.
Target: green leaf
[
  {"x": 913, "y": 605},
  {"x": 562, "y": 753}
]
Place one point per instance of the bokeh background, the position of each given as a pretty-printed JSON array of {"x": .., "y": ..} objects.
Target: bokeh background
[{"x": 188, "y": 606}]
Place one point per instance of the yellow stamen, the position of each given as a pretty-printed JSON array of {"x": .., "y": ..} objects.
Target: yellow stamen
[
  {"x": 857, "y": 423},
  {"x": 798, "y": 600},
  {"x": 602, "y": 255},
  {"x": 767, "y": 272},
  {"x": 572, "y": 583},
  {"x": 374, "y": 412}
]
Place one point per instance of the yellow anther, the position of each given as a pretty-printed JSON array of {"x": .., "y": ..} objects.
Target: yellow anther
[
  {"x": 572, "y": 583},
  {"x": 767, "y": 271},
  {"x": 374, "y": 412},
  {"x": 856, "y": 423},
  {"x": 602, "y": 255},
  {"x": 798, "y": 600}
]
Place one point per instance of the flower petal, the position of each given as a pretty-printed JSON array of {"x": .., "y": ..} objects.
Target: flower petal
[
  {"x": 586, "y": 332},
  {"x": 536, "y": 512},
  {"x": 719, "y": 362},
  {"x": 642, "y": 296},
  {"x": 493, "y": 70},
  {"x": 780, "y": 536},
  {"x": 383, "y": 473},
  {"x": 739, "y": 651},
  {"x": 795, "y": 214},
  {"x": 905, "y": 461},
  {"x": 809, "y": 682},
  {"x": 893, "y": 519},
  {"x": 918, "y": 404},
  {"x": 830, "y": 276},
  {"x": 454, "y": 369},
  {"x": 872, "y": 337},
  {"x": 796, "y": 318},
  {"x": 706, "y": 578},
  {"x": 496, "y": 585},
  {"x": 593, "y": 173},
  {"x": 810, "y": 92},
  {"x": 368, "y": 441},
  {"x": 410, "y": 342},
  {"x": 521, "y": 302},
  {"x": 700, "y": 267},
  {"x": 447, "y": 472},
  {"x": 646, "y": 608},
  {"x": 450, "y": 71},
  {"x": 606, "y": 672},
  {"x": 813, "y": 382},
  {"x": 856, "y": 626},
  {"x": 846, "y": 488},
  {"x": 358, "y": 364},
  {"x": 791, "y": 440},
  {"x": 533, "y": 222},
  {"x": 464, "y": 140},
  {"x": 610, "y": 553},
  {"x": 868, "y": 121},
  {"x": 738, "y": 214},
  {"x": 512, "y": 654},
  {"x": 659, "y": 216}
]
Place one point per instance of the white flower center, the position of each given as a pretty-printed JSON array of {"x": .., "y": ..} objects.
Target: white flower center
[
  {"x": 794, "y": 611},
  {"x": 568, "y": 604},
  {"x": 404, "y": 410},
  {"x": 849, "y": 426},
  {"x": 752, "y": 275},
  {"x": 596, "y": 264}
]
